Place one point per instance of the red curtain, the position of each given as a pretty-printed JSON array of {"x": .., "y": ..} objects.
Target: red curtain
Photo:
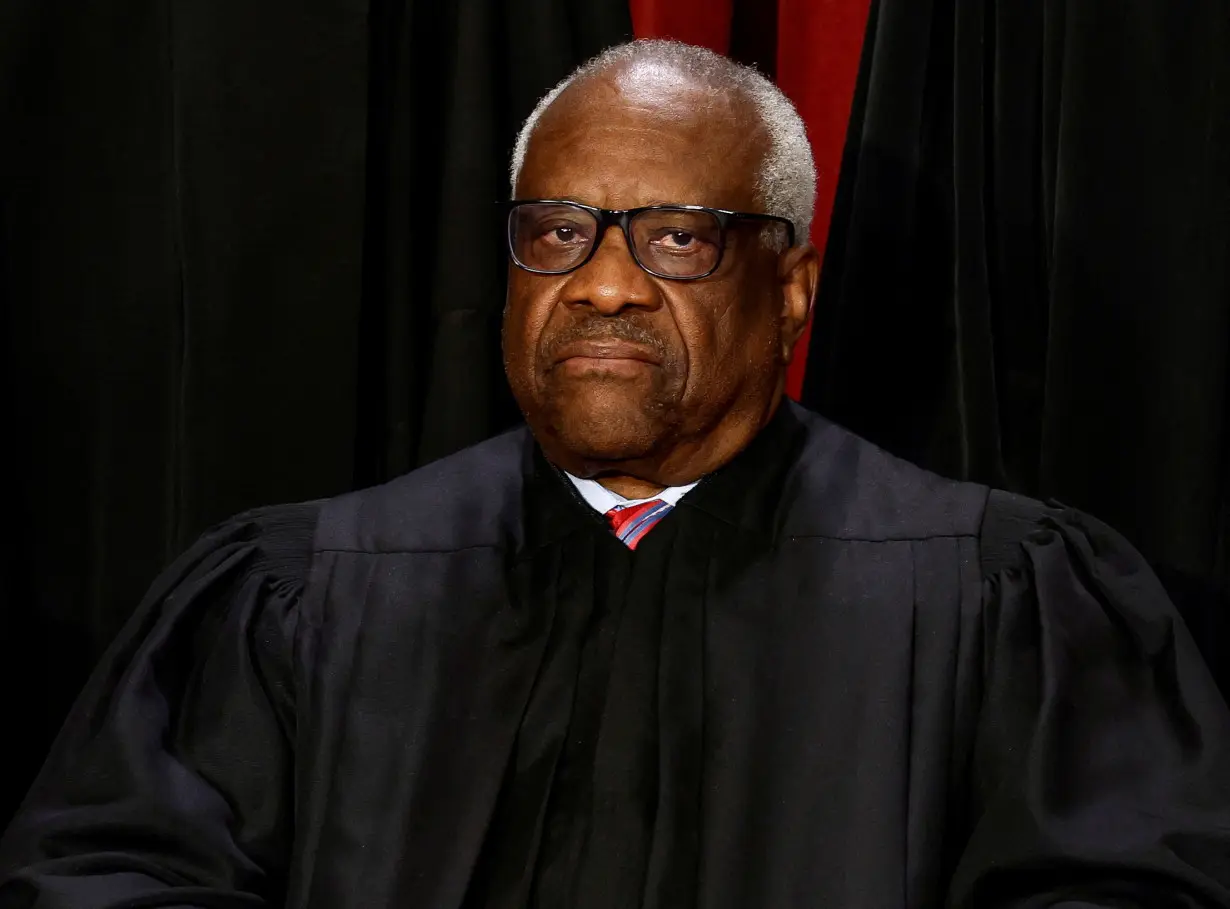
[
  {"x": 702, "y": 22},
  {"x": 818, "y": 48}
]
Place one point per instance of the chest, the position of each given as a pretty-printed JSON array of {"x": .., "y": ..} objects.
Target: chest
[{"x": 825, "y": 687}]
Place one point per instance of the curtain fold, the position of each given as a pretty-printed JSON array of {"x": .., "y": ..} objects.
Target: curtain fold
[
  {"x": 1026, "y": 280},
  {"x": 250, "y": 255}
]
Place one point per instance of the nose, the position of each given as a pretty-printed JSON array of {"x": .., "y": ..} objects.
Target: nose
[{"x": 611, "y": 281}]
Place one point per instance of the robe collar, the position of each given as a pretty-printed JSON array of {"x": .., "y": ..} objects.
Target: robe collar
[{"x": 746, "y": 493}]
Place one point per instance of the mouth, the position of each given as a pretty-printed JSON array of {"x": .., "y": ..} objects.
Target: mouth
[{"x": 608, "y": 354}]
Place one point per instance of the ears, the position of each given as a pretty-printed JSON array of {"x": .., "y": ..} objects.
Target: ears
[{"x": 798, "y": 272}]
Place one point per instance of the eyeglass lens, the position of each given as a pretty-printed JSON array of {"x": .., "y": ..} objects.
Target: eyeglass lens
[{"x": 556, "y": 237}]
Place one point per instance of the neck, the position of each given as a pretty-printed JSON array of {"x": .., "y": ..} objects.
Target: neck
[{"x": 630, "y": 487}]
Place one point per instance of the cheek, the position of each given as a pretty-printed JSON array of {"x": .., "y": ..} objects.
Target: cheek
[
  {"x": 710, "y": 338},
  {"x": 525, "y": 316},
  {"x": 727, "y": 336}
]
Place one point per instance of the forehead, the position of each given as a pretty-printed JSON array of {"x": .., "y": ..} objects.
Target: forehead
[{"x": 643, "y": 139}]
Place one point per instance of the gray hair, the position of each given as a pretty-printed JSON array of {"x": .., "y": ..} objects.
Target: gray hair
[{"x": 786, "y": 183}]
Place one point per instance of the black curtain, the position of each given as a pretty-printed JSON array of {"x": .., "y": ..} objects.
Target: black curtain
[
  {"x": 1027, "y": 280},
  {"x": 249, "y": 254}
]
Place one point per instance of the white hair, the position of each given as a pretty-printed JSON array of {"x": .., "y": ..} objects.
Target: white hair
[{"x": 786, "y": 182}]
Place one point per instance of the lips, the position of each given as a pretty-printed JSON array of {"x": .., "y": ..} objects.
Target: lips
[{"x": 606, "y": 350}]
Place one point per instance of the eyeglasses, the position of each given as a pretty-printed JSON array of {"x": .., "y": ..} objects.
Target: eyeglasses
[{"x": 679, "y": 242}]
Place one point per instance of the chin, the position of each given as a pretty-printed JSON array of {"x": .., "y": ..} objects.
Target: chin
[{"x": 597, "y": 428}]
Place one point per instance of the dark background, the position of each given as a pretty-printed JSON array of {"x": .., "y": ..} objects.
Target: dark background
[{"x": 248, "y": 255}]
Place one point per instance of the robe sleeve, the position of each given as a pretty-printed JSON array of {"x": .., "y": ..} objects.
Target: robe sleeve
[
  {"x": 1101, "y": 763},
  {"x": 170, "y": 783}
]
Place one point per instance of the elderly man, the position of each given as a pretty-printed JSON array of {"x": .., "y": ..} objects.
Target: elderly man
[{"x": 677, "y": 644}]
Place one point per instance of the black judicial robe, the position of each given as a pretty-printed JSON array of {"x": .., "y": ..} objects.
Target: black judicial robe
[{"x": 826, "y": 679}]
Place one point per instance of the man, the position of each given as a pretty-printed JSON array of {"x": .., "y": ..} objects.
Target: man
[{"x": 680, "y": 643}]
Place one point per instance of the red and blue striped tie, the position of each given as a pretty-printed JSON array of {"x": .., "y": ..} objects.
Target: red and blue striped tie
[{"x": 632, "y": 522}]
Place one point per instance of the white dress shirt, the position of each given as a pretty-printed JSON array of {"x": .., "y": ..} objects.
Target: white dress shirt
[{"x": 603, "y": 500}]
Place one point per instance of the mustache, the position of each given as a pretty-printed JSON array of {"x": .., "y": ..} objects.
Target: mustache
[{"x": 605, "y": 328}]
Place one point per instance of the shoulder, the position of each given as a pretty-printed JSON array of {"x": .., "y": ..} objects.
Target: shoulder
[
  {"x": 467, "y": 500},
  {"x": 1009, "y": 520},
  {"x": 1017, "y": 531},
  {"x": 282, "y": 534},
  {"x": 1074, "y": 570},
  {"x": 273, "y": 542},
  {"x": 846, "y": 487}
]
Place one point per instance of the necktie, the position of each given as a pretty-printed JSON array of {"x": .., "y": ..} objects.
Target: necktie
[{"x": 632, "y": 522}]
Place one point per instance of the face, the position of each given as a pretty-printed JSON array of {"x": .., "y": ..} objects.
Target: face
[{"x": 620, "y": 371}]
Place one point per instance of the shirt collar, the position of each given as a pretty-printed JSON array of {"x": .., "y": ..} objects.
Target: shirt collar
[{"x": 603, "y": 500}]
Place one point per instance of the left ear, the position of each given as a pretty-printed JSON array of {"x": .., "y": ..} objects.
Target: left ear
[{"x": 798, "y": 272}]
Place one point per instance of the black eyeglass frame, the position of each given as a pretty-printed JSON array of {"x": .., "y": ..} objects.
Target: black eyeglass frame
[{"x": 622, "y": 217}]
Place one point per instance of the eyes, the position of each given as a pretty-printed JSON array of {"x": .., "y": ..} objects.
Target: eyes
[
  {"x": 556, "y": 237},
  {"x": 571, "y": 235},
  {"x": 565, "y": 235},
  {"x": 675, "y": 240},
  {"x": 666, "y": 240}
]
